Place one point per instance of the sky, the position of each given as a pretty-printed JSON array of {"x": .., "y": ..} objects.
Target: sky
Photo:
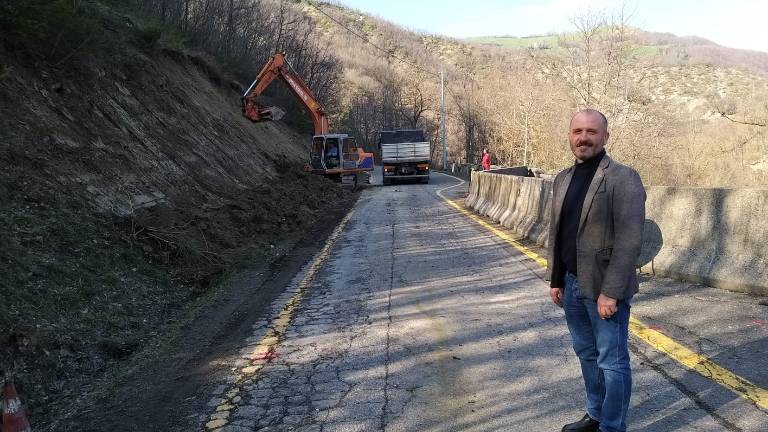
[{"x": 732, "y": 23}]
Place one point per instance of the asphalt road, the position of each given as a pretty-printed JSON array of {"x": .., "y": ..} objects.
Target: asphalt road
[{"x": 418, "y": 319}]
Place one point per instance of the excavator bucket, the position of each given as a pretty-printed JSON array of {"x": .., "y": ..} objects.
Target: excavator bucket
[
  {"x": 275, "y": 112},
  {"x": 258, "y": 113}
]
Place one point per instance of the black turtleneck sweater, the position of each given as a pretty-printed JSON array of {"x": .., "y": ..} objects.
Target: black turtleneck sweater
[{"x": 571, "y": 211}]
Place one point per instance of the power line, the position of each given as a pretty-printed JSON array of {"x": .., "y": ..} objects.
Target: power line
[{"x": 387, "y": 52}]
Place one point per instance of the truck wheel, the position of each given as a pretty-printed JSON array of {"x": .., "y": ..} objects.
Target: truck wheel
[{"x": 386, "y": 181}]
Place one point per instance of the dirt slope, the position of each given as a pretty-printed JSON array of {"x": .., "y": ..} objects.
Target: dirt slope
[
  {"x": 129, "y": 185},
  {"x": 124, "y": 138}
]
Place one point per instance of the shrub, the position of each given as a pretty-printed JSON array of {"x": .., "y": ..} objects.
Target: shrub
[{"x": 149, "y": 37}]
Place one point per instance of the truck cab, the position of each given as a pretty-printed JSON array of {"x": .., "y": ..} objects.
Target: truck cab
[{"x": 405, "y": 154}]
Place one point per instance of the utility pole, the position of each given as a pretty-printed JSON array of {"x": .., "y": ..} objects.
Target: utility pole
[
  {"x": 525, "y": 149},
  {"x": 442, "y": 118}
]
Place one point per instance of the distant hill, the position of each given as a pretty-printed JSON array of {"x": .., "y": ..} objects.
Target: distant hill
[{"x": 665, "y": 48}]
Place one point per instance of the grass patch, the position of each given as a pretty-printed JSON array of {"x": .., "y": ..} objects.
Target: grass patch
[
  {"x": 553, "y": 42},
  {"x": 645, "y": 51},
  {"x": 517, "y": 42},
  {"x": 77, "y": 297}
]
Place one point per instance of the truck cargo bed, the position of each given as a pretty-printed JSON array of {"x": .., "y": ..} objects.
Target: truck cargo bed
[{"x": 405, "y": 152}]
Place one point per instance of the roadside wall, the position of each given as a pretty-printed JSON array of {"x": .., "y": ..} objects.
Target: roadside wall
[{"x": 714, "y": 236}]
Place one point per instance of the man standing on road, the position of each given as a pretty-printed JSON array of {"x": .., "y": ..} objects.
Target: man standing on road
[
  {"x": 598, "y": 211},
  {"x": 486, "y": 162}
]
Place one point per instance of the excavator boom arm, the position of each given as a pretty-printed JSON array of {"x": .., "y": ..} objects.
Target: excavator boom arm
[{"x": 278, "y": 67}]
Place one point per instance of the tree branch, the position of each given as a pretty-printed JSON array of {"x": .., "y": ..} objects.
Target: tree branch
[{"x": 742, "y": 121}]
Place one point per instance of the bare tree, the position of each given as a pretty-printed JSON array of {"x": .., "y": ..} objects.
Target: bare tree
[{"x": 244, "y": 33}]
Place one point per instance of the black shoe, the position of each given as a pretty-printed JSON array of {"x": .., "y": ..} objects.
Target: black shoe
[{"x": 586, "y": 424}]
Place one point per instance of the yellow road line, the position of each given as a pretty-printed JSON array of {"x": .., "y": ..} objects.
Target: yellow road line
[
  {"x": 265, "y": 349},
  {"x": 704, "y": 366},
  {"x": 678, "y": 352},
  {"x": 508, "y": 238}
]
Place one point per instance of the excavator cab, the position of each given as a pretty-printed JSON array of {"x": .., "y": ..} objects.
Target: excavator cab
[
  {"x": 325, "y": 153},
  {"x": 336, "y": 152}
]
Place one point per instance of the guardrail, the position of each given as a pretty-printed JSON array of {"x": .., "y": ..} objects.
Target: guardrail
[{"x": 714, "y": 236}]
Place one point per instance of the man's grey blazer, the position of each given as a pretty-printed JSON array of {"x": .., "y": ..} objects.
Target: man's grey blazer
[{"x": 610, "y": 230}]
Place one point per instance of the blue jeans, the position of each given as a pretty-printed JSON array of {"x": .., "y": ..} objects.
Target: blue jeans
[{"x": 601, "y": 346}]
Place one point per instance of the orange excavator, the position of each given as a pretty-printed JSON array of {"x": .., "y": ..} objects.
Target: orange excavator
[{"x": 335, "y": 156}]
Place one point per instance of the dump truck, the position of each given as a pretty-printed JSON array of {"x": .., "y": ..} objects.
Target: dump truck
[{"x": 405, "y": 154}]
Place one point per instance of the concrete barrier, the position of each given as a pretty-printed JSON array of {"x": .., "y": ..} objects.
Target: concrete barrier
[{"x": 713, "y": 236}]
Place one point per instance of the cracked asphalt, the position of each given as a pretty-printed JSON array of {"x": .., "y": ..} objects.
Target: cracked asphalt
[{"x": 416, "y": 319}]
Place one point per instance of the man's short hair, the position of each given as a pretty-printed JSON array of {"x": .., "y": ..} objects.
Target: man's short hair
[{"x": 592, "y": 111}]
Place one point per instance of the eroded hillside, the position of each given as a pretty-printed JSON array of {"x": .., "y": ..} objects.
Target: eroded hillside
[{"x": 130, "y": 184}]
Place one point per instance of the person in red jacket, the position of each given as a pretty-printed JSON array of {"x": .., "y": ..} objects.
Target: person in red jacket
[{"x": 486, "y": 160}]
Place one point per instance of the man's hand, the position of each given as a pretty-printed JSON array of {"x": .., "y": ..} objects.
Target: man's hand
[
  {"x": 606, "y": 306},
  {"x": 557, "y": 296}
]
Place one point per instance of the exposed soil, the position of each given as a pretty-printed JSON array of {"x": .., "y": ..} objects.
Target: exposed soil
[
  {"x": 171, "y": 392},
  {"x": 143, "y": 224}
]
